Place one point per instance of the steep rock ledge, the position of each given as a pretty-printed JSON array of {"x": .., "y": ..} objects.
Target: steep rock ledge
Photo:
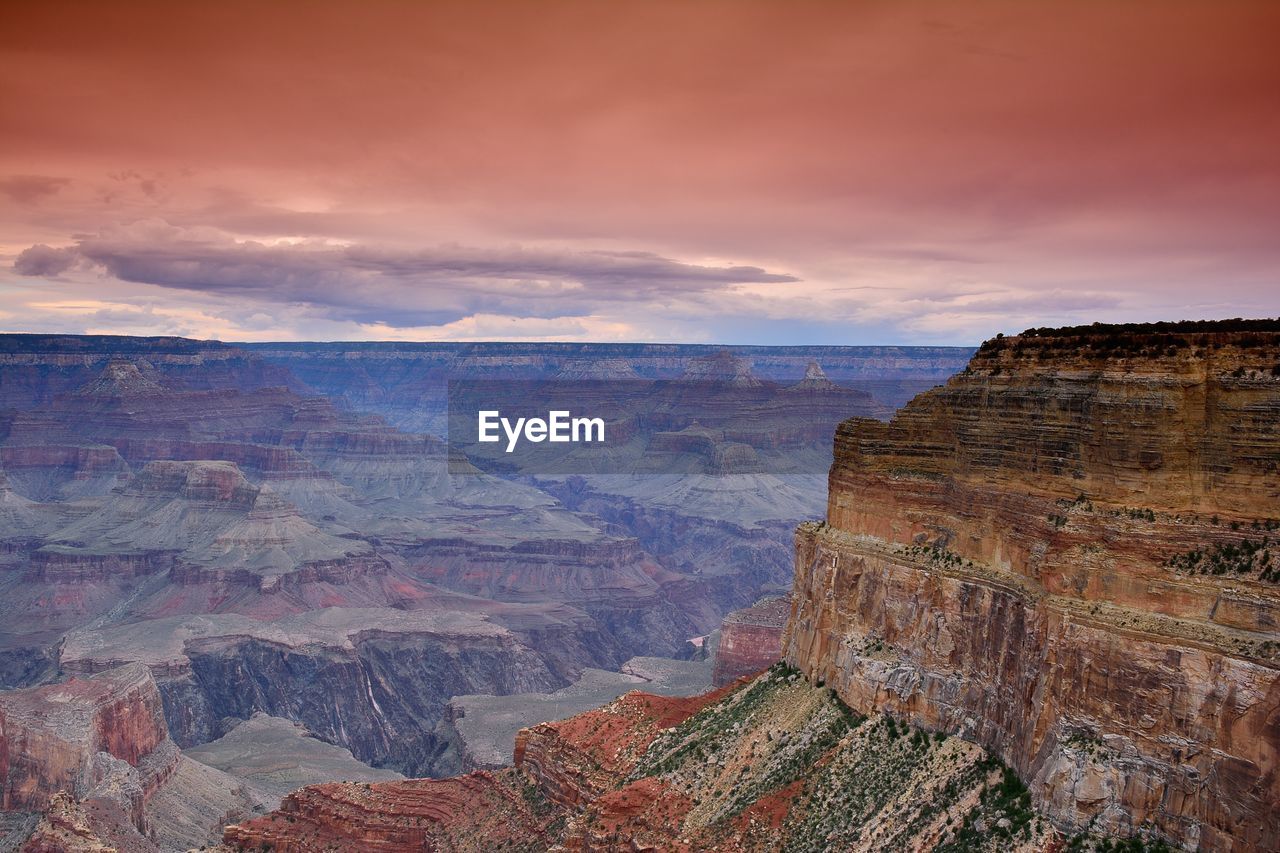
[
  {"x": 1064, "y": 554},
  {"x": 51, "y": 737}
]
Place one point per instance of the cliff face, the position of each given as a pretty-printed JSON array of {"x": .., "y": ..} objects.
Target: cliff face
[
  {"x": 1067, "y": 554},
  {"x": 751, "y": 639},
  {"x": 90, "y": 765},
  {"x": 375, "y": 680},
  {"x": 49, "y": 736}
]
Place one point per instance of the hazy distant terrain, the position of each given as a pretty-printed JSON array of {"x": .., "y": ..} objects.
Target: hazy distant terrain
[{"x": 273, "y": 529}]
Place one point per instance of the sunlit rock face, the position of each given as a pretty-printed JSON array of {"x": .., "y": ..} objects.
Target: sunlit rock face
[{"x": 1068, "y": 554}]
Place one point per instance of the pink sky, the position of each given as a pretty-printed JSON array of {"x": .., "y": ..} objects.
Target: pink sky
[{"x": 745, "y": 171}]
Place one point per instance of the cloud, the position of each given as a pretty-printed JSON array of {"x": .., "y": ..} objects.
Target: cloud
[
  {"x": 29, "y": 189},
  {"x": 42, "y": 260},
  {"x": 932, "y": 189},
  {"x": 394, "y": 287}
]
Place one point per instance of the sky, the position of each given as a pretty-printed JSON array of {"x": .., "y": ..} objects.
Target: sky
[{"x": 750, "y": 171}]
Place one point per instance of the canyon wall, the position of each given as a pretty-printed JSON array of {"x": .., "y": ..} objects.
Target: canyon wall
[
  {"x": 750, "y": 639},
  {"x": 88, "y": 765},
  {"x": 50, "y": 736},
  {"x": 1068, "y": 554}
]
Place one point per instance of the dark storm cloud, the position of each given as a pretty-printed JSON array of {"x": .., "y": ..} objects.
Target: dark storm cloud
[{"x": 394, "y": 286}]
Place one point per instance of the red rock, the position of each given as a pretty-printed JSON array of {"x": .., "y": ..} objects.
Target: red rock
[
  {"x": 414, "y": 814},
  {"x": 578, "y": 759},
  {"x": 751, "y": 639},
  {"x": 50, "y": 735}
]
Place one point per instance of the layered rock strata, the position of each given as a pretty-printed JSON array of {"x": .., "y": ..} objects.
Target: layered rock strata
[
  {"x": 477, "y": 812},
  {"x": 52, "y": 736},
  {"x": 766, "y": 765},
  {"x": 1066, "y": 555},
  {"x": 751, "y": 639},
  {"x": 91, "y": 758}
]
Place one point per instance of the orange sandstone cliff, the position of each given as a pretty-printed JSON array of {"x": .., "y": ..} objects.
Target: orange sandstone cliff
[{"x": 1069, "y": 555}]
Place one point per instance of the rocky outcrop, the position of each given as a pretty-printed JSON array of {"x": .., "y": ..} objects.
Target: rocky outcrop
[
  {"x": 814, "y": 380},
  {"x": 65, "y": 828},
  {"x": 480, "y": 811},
  {"x": 574, "y": 761},
  {"x": 770, "y": 764},
  {"x": 51, "y": 471},
  {"x": 51, "y": 737},
  {"x": 751, "y": 639},
  {"x": 122, "y": 377},
  {"x": 92, "y": 758},
  {"x": 1063, "y": 555}
]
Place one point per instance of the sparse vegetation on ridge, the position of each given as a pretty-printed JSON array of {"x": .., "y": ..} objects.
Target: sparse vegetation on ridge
[
  {"x": 839, "y": 779},
  {"x": 1246, "y": 557},
  {"x": 937, "y": 556},
  {"x": 1151, "y": 340}
]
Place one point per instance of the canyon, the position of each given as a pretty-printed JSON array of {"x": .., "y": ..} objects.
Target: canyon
[
  {"x": 275, "y": 533},
  {"x": 1041, "y": 614}
]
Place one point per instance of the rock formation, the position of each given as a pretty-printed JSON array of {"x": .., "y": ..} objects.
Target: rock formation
[
  {"x": 1066, "y": 555},
  {"x": 121, "y": 378},
  {"x": 477, "y": 812},
  {"x": 814, "y": 379},
  {"x": 52, "y": 734},
  {"x": 761, "y": 765},
  {"x": 93, "y": 757},
  {"x": 751, "y": 639}
]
